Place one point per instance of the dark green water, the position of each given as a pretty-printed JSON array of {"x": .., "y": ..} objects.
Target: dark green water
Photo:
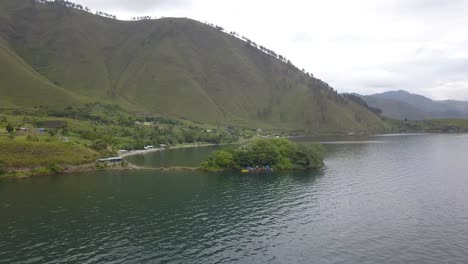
[
  {"x": 392, "y": 199},
  {"x": 185, "y": 157}
]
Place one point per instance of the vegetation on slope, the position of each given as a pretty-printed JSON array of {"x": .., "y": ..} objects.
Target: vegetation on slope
[
  {"x": 21, "y": 85},
  {"x": 175, "y": 67},
  {"x": 276, "y": 153},
  {"x": 17, "y": 153},
  {"x": 106, "y": 129},
  {"x": 30, "y": 146}
]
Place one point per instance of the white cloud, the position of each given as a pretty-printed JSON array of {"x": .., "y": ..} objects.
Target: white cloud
[
  {"x": 124, "y": 6},
  {"x": 362, "y": 46}
]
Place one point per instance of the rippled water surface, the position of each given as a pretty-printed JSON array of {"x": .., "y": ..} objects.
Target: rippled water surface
[{"x": 386, "y": 199}]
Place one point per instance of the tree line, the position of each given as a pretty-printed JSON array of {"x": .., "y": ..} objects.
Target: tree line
[{"x": 68, "y": 4}]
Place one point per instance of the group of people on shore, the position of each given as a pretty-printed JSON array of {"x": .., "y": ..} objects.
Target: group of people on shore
[{"x": 259, "y": 169}]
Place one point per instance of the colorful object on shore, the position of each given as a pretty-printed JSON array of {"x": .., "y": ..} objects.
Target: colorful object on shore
[{"x": 257, "y": 169}]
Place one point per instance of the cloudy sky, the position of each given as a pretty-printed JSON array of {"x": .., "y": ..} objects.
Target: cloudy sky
[{"x": 364, "y": 46}]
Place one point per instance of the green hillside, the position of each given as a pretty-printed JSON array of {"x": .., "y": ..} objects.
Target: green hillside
[
  {"x": 174, "y": 67},
  {"x": 20, "y": 85}
]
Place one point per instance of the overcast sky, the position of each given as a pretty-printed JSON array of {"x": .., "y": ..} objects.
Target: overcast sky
[{"x": 364, "y": 46}]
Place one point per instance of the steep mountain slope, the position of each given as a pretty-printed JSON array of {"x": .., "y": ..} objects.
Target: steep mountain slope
[
  {"x": 177, "y": 67},
  {"x": 402, "y": 104},
  {"x": 21, "y": 85}
]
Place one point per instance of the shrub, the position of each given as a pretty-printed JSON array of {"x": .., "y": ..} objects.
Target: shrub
[
  {"x": 41, "y": 171},
  {"x": 101, "y": 166},
  {"x": 99, "y": 145},
  {"x": 9, "y": 128},
  {"x": 55, "y": 168},
  {"x": 219, "y": 160}
]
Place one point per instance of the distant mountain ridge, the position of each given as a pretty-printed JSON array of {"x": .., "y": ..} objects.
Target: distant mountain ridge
[
  {"x": 55, "y": 56},
  {"x": 404, "y": 105}
]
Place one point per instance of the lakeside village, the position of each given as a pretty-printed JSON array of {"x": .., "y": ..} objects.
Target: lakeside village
[{"x": 37, "y": 145}]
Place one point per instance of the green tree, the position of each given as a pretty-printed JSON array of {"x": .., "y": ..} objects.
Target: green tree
[
  {"x": 219, "y": 160},
  {"x": 99, "y": 145},
  {"x": 9, "y": 128}
]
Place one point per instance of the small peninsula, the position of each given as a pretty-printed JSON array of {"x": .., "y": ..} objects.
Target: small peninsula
[{"x": 268, "y": 153}]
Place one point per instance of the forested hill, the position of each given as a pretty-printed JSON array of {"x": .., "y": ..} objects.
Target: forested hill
[{"x": 55, "y": 55}]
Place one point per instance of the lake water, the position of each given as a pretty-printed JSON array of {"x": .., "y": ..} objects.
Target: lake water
[
  {"x": 383, "y": 199},
  {"x": 184, "y": 157}
]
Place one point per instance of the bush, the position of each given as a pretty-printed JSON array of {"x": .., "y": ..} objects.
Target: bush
[
  {"x": 9, "y": 128},
  {"x": 88, "y": 135},
  {"x": 101, "y": 166},
  {"x": 219, "y": 160},
  {"x": 99, "y": 145},
  {"x": 41, "y": 171},
  {"x": 55, "y": 168}
]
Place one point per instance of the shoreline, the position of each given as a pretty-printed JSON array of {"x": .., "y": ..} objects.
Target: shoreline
[
  {"x": 25, "y": 173},
  {"x": 147, "y": 151}
]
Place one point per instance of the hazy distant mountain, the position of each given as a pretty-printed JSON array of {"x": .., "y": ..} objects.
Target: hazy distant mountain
[
  {"x": 402, "y": 104},
  {"x": 57, "y": 56},
  {"x": 395, "y": 109}
]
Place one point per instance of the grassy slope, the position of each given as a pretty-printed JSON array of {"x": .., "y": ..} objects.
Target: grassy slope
[
  {"x": 21, "y": 85},
  {"x": 21, "y": 153},
  {"x": 177, "y": 67}
]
